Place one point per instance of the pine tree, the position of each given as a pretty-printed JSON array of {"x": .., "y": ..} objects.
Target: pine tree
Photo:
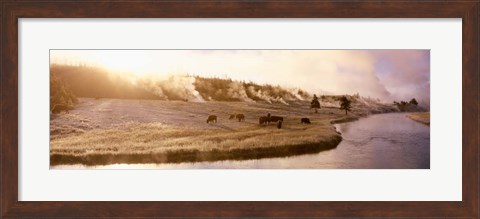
[
  {"x": 345, "y": 104},
  {"x": 315, "y": 103}
]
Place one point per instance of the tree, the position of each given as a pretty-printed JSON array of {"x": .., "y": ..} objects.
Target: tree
[
  {"x": 414, "y": 102},
  {"x": 345, "y": 104},
  {"x": 402, "y": 106},
  {"x": 315, "y": 103},
  {"x": 61, "y": 97}
]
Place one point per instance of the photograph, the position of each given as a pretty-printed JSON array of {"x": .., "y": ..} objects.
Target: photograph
[{"x": 239, "y": 109}]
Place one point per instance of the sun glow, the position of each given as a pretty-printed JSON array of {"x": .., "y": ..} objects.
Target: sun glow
[
  {"x": 375, "y": 73},
  {"x": 136, "y": 64}
]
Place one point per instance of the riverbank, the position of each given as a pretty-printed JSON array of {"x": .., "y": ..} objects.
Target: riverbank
[
  {"x": 111, "y": 131},
  {"x": 421, "y": 117},
  {"x": 404, "y": 145}
]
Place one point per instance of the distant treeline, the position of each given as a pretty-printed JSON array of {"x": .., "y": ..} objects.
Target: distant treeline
[
  {"x": 410, "y": 106},
  {"x": 95, "y": 82}
]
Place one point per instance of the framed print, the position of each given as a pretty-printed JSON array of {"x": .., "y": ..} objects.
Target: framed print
[{"x": 239, "y": 109}]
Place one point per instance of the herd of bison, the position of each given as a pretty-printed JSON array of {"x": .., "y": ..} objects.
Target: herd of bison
[{"x": 263, "y": 120}]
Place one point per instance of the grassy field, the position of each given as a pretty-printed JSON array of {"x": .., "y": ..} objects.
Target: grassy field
[
  {"x": 108, "y": 131},
  {"x": 422, "y": 117}
]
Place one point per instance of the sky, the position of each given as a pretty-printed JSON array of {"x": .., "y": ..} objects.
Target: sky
[{"x": 385, "y": 74}]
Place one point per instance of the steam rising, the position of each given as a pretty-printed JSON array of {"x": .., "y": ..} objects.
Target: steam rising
[
  {"x": 184, "y": 87},
  {"x": 173, "y": 87},
  {"x": 385, "y": 74}
]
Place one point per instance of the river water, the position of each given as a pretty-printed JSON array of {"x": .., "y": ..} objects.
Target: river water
[{"x": 382, "y": 141}]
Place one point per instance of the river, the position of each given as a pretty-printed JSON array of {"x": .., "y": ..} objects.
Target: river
[{"x": 382, "y": 141}]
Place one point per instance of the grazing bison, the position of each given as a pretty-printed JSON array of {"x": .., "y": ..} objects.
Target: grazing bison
[
  {"x": 263, "y": 120},
  {"x": 279, "y": 124},
  {"x": 232, "y": 116},
  {"x": 212, "y": 119},
  {"x": 240, "y": 117},
  {"x": 305, "y": 121},
  {"x": 275, "y": 119}
]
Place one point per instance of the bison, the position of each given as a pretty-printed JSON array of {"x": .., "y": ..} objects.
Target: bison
[
  {"x": 263, "y": 120},
  {"x": 275, "y": 119},
  {"x": 232, "y": 116},
  {"x": 212, "y": 119},
  {"x": 305, "y": 121},
  {"x": 240, "y": 117}
]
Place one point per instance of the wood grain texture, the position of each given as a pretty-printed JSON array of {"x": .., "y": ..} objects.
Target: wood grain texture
[
  {"x": 12, "y": 10},
  {"x": 241, "y": 9}
]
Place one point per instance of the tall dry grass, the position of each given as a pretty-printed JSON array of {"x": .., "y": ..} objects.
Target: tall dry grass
[
  {"x": 159, "y": 143},
  {"x": 422, "y": 117}
]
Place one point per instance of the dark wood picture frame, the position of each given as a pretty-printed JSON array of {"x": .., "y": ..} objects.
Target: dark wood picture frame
[{"x": 12, "y": 10}]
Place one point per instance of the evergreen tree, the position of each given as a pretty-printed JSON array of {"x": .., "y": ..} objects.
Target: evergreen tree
[
  {"x": 315, "y": 103},
  {"x": 414, "y": 102},
  {"x": 61, "y": 98},
  {"x": 345, "y": 104}
]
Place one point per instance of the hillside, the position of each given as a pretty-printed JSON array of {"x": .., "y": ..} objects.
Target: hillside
[{"x": 95, "y": 82}]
